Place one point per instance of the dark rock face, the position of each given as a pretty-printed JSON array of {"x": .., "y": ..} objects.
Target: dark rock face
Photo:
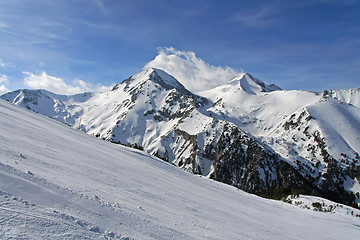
[{"x": 243, "y": 162}]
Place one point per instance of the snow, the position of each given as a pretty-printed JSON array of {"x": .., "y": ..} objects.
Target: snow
[
  {"x": 337, "y": 123},
  {"x": 154, "y": 111},
  {"x": 356, "y": 186},
  {"x": 59, "y": 183},
  {"x": 350, "y": 96},
  {"x": 254, "y": 111},
  {"x": 191, "y": 71},
  {"x": 263, "y": 114},
  {"x": 314, "y": 203},
  {"x": 342, "y": 130}
]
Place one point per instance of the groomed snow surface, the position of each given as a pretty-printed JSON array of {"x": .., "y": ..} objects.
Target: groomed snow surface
[{"x": 59, "y": 183}]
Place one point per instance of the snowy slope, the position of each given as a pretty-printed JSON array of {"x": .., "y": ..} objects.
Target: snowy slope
[
  {"x": 300, "y": 131},
  {"x": 59, "y": 183},
  {"x": 322, "y": 139},
  {"x": 350, "y": 96},
  {"x": 254, "y": 106}
]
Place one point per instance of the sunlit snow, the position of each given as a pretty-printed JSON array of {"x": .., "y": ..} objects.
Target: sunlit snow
[{"x": 59, "y": 183}]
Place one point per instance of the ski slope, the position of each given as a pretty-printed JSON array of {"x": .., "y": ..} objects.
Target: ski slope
[{"x": 60, "y": 183}]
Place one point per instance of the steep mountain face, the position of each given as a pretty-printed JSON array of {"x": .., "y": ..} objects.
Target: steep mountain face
[
  {"x": 350, "y": 96},
  {"x": 322, "y": 139},
  {"x": 245, "y": 133}
]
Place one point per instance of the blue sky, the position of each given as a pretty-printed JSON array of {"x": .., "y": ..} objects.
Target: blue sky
[{"x": 87, "y": 44}]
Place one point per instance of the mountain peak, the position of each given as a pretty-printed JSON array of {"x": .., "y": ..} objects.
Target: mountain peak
[
  {"x": 156, "y": 76},
  {"x": 253, "y": 85},
  {"x": 162, "y": 77}
]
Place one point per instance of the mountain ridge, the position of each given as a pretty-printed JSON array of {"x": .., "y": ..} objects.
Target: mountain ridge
[{"x": 269, "y": 130}]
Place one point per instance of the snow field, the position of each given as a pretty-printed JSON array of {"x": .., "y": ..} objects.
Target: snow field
[{"x": 59, "y": 183}]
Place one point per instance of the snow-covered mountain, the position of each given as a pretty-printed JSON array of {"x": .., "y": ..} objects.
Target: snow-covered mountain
[
  {"x": 245, "y": 133},
  {"x": 350, "y": 96},
  {"x": 59, "y": 183}
]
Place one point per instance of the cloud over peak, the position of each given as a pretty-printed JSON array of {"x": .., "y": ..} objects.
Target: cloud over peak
[{"x": 195, "y": 74}]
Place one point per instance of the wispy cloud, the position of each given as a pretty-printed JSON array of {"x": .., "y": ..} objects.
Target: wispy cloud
[
  {"x": 101, "y": 6},
  {"x": 3, "y": 25},
  {"x": 3, "y": 79},
  {"x": 58, "y": 85},
  {"x": 260, "y": 17},
  {"x": 2, "y": 64},
  {"x": 195, "y": 11},
  {"x": 5, "y": 64}
]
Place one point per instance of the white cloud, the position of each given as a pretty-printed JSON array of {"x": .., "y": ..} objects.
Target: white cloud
[
  {"x": 192, "y": 72},
  {"x": 3, "y": 80},
  {"x": 3, "y": 89},
  {"x": 88, "y": 87},
  {"x": 58, "y": 85}
]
